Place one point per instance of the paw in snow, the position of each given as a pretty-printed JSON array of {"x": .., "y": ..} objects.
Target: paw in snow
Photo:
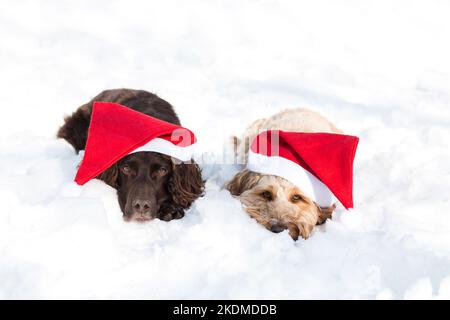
[{"x": 169, "y": 212}]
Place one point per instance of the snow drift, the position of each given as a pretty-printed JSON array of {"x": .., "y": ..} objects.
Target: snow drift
[{"x": 379, "y": 70}]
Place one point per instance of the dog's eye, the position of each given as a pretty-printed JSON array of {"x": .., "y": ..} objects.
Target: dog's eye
[
  {"x": 267, "y": 195},
  {"x": 126, "y": 169},
  {"x": 162, "y": 171},
  {"x": 296, "y": 198}
]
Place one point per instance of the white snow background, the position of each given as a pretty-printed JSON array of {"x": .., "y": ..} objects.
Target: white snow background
[{"x": 378, "y": 69}]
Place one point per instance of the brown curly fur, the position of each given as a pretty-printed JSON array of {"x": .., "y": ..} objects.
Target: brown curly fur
[{"x": 185, "y": 184}]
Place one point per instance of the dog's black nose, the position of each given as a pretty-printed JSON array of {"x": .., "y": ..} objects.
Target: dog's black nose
[
  {"x": 141, "y": 206},
  {"x": 277, "y": 228}
]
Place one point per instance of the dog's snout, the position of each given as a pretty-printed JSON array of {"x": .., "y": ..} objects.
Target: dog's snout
[
  {"x": 141, "y": 206},
  {"x": 278, "y": 227}
]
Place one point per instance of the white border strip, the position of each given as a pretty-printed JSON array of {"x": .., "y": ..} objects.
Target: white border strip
[
  {"x": 289, "y": 170},
  {"x": 166, "y": 147}
]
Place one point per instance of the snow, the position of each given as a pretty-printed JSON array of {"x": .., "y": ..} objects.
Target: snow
[{"x": 378, "y": 69}]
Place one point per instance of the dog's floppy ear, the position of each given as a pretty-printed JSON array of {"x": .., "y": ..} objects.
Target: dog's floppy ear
[
  {"x": 243, "y": 181},
  {"x": 75, "y": 128},
  {"x": 325, "y": 213},
  {"x": 186, "y": 184},
  {"x": 110, "y": 176}
]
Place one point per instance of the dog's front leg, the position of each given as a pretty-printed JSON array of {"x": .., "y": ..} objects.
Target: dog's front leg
[{"x": 170, "y": 211}]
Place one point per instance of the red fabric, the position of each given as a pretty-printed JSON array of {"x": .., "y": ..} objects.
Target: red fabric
[
  {"x": 329, "y": 157},
  {"x": 115, "y": 131}
]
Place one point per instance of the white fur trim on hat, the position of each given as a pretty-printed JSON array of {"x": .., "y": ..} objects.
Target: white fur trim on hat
[{"x": 166, "y": 147}]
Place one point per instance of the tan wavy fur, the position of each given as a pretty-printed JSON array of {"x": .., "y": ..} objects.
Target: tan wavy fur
[{"x": 273, "y": 201}]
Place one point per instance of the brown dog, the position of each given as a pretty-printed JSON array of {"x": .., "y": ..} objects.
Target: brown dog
[
  {"x": 149, "y": 184},
  {"x": 273, "y": 201}
]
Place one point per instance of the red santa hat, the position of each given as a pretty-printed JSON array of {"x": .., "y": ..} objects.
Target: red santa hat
[
  {"x": 116, "y": 131},
  {"x": 320, "y": 164}
]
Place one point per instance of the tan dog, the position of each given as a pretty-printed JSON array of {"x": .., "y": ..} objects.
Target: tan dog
[{"x": 273, "y": 201}]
